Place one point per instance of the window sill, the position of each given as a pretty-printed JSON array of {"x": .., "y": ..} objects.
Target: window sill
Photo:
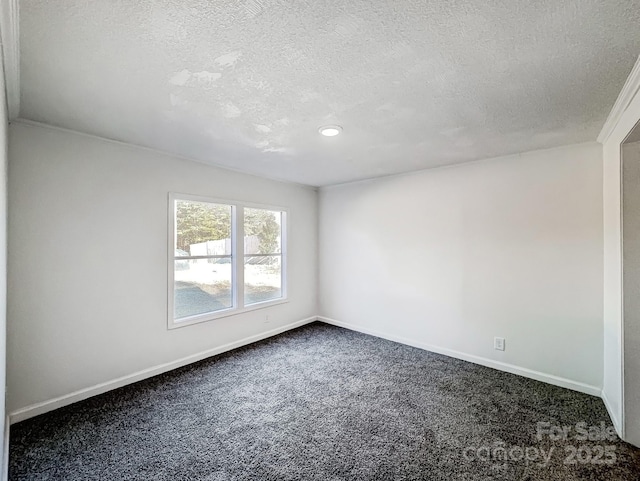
[{"x": 212, "y": 316}]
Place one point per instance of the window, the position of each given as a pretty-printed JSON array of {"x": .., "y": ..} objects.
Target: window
[
  {"x": 262, "y": 255},
  {"x": 211, "y": 273}
]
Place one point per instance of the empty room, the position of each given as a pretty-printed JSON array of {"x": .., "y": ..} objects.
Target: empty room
[{"x": 320, "y": 240}]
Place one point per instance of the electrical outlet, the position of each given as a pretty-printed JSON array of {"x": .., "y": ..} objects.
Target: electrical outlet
[{"x": 498, "y": 343}]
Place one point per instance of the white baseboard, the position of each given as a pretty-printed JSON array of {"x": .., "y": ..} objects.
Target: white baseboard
[
  {"x": 50, "y": 405},
  {"x": 612, "y": 413},
  {"x": 501, "y": 366}
]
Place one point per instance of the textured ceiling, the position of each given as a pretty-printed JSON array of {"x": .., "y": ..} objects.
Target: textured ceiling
[{"x": 247, "y": 83}]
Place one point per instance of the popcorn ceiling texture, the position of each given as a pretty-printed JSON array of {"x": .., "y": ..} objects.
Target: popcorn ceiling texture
[{"x": 246, "y": 84}]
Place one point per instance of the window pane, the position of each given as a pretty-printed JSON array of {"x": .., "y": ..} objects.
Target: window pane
[
  {"x": 202, "y": 229},
  {"x": 201, "y": 285},
  {"x": 262, "y": 231},
  {"x": 262, "y": 278}
]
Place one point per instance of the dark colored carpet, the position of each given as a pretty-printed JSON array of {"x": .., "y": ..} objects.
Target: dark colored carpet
[{"x": 327, "y": 404}]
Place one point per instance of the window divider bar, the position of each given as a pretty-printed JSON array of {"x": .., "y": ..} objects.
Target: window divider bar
[{"x": 187, "y": 258}]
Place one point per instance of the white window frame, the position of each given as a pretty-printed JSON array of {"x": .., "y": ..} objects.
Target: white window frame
[{"x": 237, "y": 260}]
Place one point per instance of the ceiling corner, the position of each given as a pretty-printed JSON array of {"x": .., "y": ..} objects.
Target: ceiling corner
[{"x": 629, "y": 90}]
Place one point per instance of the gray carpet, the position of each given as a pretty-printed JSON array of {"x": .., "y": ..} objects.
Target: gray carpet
[{"x": 327, "y": 404}]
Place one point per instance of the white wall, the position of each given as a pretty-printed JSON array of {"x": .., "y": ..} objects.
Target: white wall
[
  {"x": 87, "y": 272},
  {"x": 631, "y": 286},
  {"x": 451, "y": 257}
]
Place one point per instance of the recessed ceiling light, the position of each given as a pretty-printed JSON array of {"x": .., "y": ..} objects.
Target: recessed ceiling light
[{"x": 330, "y": 130}]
